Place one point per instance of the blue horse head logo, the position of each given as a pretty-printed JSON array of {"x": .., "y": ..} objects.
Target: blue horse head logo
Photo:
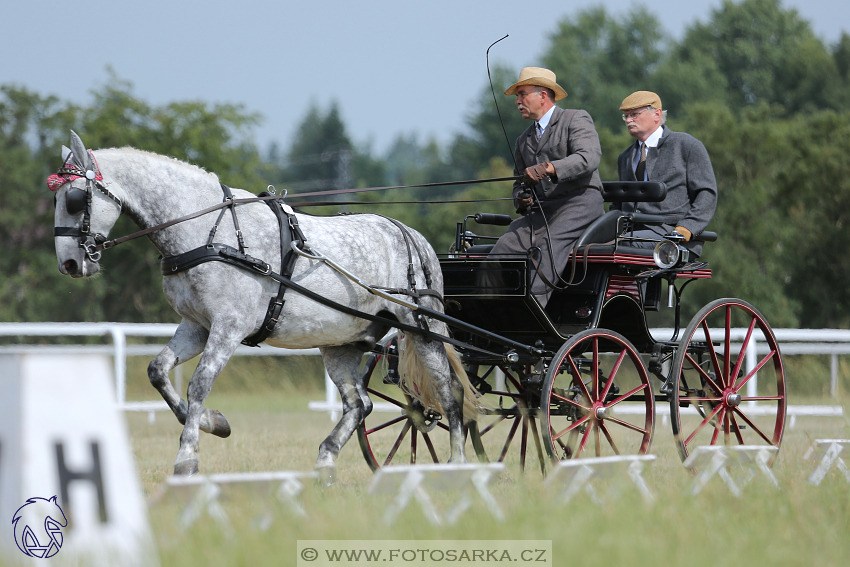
[{"x": 38, "y": 527}]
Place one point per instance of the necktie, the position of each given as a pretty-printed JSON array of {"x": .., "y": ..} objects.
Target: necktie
[
  {"x": 538, "y": 130},
  {"x": 640, "y": 172}
]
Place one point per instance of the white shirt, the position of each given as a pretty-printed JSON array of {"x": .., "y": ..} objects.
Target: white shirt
[
  {"x": 544, "y": 120},
  {"x": 651, "y": 142}
]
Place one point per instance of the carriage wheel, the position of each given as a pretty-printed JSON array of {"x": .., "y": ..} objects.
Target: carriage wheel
[
  {"x": 714, "y": 401},
  {"x": 509, "y": 422},
  {"x": 597, "y": 399},
  {"x": 389, "y": 434}
]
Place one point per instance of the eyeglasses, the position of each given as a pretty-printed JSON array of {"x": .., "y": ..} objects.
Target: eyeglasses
[
  {"x": 634, "y": 114},
  {"x": 525, "y": 95}
]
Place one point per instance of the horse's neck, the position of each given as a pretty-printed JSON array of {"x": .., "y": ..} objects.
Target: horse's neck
[{"x": 158, "y": 190}]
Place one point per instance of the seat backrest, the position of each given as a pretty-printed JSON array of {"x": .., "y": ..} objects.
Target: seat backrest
[
  {"x": 603, "y": 229},
  {"x": 633, "y": 191}
]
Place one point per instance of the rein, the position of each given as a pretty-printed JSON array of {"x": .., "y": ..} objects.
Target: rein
[{"x": 105, "y": 244}]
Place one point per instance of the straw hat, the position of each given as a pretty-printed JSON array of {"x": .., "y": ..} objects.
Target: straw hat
[
  {"x": 538, "y": 77},
  {"x": 640, "y": 99}
]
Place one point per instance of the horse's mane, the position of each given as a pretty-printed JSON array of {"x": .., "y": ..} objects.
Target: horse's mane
[{"x": 130, "y": 152}]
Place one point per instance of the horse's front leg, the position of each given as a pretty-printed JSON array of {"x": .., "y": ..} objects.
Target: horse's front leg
[
  {"x": 219, "y": 348},
  {"x": 187, "y": 343},
  {"x": 343, "y": 367}
]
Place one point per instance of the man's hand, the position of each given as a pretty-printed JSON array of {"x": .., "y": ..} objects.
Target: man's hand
[
  {"x": 535, "y": 173},
  {"x": 686, "y": 234},
  {"x": 524, "y": 201}
]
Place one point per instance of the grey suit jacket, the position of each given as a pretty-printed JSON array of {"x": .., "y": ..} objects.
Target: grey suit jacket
[
  {"x": 567, "y": 205},
  {"x": 570, "y": 143},
  {"x": 682, "y": 163}
]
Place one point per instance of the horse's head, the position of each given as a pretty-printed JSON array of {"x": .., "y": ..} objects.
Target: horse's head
[{"x": 85, "y": 211}]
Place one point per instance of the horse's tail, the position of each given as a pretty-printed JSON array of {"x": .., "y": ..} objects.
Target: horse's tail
[{"x": 416, "y": 382}]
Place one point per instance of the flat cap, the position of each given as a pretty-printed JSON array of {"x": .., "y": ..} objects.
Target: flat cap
[{"x": 640, "y": 99}]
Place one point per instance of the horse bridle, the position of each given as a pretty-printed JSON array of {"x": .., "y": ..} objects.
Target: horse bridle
[{"x": 80, "y": 201}]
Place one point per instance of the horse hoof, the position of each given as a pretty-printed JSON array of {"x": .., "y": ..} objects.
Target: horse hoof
[
  {"x": 215, "y": 423},
  {"x": 327, "y": 476},
  {"x": 186, "y": 468}
]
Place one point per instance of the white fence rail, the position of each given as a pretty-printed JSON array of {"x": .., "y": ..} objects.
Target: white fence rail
[
  {"x": 830, "y": 342},
  {"x": 119, "y": 349}
]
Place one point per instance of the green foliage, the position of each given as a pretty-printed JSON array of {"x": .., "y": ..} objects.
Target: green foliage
[
  {"x": 753, "y": 82},
  {"x": 32, "y": 130},
  {"x": 600, "y": 60}
]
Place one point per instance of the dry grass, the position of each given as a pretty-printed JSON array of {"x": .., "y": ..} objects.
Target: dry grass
[{"x": 799, "y": 525}]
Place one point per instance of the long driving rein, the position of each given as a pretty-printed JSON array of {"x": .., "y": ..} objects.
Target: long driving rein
[
  {"x": 104, "y": 244},
  {"x": 78, "y": 200}
]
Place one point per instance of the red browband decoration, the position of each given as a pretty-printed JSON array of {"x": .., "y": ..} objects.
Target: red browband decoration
[{"x": 57, "y": 180}]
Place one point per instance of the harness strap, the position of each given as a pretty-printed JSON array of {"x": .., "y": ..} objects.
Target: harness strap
[
  {"x": 229, "y": 255},
  {"x": 287, "y": 266}
]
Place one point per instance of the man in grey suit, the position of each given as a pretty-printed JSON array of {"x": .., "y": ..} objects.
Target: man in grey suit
[
  {"x": 675, "y": 158},
  {"x": 560, "y": 193}
]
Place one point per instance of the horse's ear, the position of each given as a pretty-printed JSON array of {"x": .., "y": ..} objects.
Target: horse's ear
[
  {"x": 66, "y": 151},
  {"x": 81, "y": 156}
]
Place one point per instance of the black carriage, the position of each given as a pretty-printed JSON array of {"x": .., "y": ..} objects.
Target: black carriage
[{"x": 585, "y": 376}]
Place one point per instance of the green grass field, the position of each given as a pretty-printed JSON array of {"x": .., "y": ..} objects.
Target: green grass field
[{"x": 273, "y": 430}]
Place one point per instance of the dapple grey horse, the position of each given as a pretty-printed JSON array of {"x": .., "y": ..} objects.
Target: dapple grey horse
[{"x": 221, "y": 305}]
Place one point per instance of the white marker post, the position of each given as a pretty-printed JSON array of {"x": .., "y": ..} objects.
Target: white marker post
[{"x": 61, "y": 434}]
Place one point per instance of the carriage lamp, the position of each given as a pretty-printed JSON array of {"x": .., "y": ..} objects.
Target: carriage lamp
[{"x": 667, "y": 254}]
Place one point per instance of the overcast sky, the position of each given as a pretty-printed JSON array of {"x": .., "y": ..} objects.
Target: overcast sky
[{"x": 394, "y": 66}]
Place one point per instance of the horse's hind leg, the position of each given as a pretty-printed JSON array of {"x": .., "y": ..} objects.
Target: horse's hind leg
[
  {"x": 343, "y": 366},
  {"x": 434, "y": 363},
  {"x": 187, "y": 343}
]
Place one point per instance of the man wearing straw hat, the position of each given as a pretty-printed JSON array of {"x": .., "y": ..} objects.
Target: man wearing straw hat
[
  {"x": 560, "y": 193},
  {"x": 678, "y": 160}
]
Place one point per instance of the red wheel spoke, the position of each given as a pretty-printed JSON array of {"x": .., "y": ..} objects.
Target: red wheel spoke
[
  {"x": 537, "y": 445},
  {"x": 413, "y": 436},
  {"x": 584, "y": 438},
  {"x": 569, "y": 401},
  {"x": 726, "y": 346},
  {"x": 594, "y": 369},
  {"x": 737, "y": 429},
  {"x": 705, "y": 376},
  {"x": 430, "y": 446},
  {"x": 612, "y": 374},
  {"x": 598, "y": 441},
  {"x": 443, "y": 426},
  {"x": 702, "y": 424},
  {"x": 627, "y": 425},
  {"x": 510, "y": 438},
  {"x": 742, "y": 354},
  {"x": 716, "y": 433},
  {"x": 571, "y": 427},
  {"x": 496, "y": 422},
  {"x": 753, "y": 426},
  {"x": 609, "y": 438},
  {"x": 762, "y": 398},
  {"x": 755, "y": 370},
  {"x": 619, "y": 399},
  {"x": 715, "y": 363},
  {"x": 385, "y": 424},
  {"x": 523, "y": 442},
  {"x": 577, "y": 378},
  {"x": 386, "y": 398},
  {"x": 701, "y": 398},
  {"x": 397, "y": 443}
]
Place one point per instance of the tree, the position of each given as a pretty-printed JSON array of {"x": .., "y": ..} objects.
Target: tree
[
  {"x": 32, "y": 129},
  {"x": 600, "y": 60},
  {"x": 763, "y": 52}
]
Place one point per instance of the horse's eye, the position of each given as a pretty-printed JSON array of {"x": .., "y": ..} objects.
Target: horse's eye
[{"x": 75, "y": 201}]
